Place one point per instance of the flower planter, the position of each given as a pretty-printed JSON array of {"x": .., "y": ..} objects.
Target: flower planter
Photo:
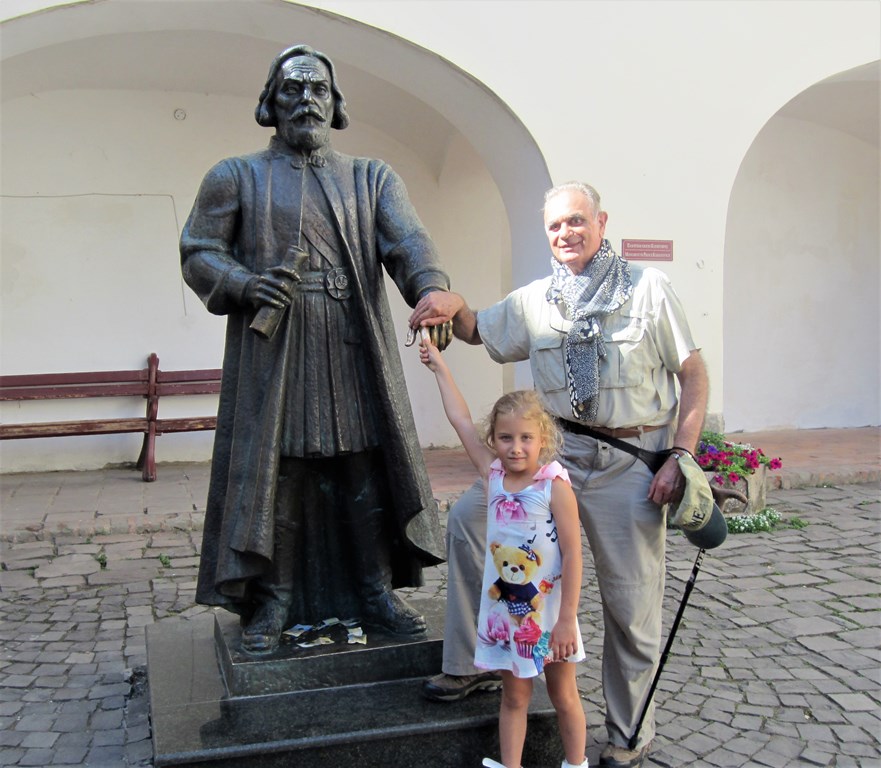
[{"x": 753, "y": 487}]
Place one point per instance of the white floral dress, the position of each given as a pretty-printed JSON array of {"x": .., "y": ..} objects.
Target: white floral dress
[{"x": 520, "y": 599}]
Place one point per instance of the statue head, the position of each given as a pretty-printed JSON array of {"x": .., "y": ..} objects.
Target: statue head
[{"x": 301, "y": 99}]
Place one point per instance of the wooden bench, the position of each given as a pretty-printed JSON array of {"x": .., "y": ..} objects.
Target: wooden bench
[{"x": 150, "y": 383}]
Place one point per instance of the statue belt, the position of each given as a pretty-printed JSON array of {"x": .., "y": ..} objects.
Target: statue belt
[{"x": 335, "y": 282}]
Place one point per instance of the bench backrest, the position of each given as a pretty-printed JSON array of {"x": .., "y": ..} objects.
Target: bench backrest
[
  {"x": 196, "y": 382},
  {"x": 146, "y": 382},
  {"x": 52, "y": 386}
]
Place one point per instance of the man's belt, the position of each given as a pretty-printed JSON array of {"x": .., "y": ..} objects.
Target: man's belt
[
  {"x": 654, "y": 459},
  {"x": 619, "y": 432}
]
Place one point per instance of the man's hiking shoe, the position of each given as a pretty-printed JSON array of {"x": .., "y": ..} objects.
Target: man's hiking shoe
[
  {"x": 445, "y": 687},
  {"x": 621, "y": 757}
]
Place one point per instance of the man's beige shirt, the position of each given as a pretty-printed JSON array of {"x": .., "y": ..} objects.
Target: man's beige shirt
[{"x": 647, "y": 340}]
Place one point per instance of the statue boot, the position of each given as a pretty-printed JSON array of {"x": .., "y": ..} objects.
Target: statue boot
[
  {"x": 389, "y": 611},
  {"x": 262, "y": 632},
  {"x": 380, "y": 607},
  {"x": 273, "y": 595}
]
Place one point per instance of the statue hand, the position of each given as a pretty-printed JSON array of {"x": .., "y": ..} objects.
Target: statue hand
[
  {"x": 440, "y": 335},
  {"x": 272, "y": 288},
  {"x": 435, "y": 312}
]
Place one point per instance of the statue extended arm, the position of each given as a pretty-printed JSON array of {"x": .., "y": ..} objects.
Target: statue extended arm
[{"x": 404, "y": 245}]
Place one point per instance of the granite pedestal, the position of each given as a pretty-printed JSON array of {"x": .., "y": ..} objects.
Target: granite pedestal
[{"x": 329, "y": 706}]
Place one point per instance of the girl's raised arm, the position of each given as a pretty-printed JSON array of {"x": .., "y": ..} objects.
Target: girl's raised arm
[{"x": 455, "y": 407}]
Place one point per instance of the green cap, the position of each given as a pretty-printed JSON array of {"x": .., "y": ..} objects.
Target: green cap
[{"x": 697, "y": 515}]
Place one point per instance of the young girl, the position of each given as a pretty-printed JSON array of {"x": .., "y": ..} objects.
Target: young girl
[{"x": 532, "y": 577}]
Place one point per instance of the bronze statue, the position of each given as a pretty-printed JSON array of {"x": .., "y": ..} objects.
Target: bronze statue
[{"x": 319, "y": 503}]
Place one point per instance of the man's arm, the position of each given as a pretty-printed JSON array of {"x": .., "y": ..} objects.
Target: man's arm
[
  {"x": 668, "y": 483},
  {"x": 440, "y": 307},
  {"x": 695, "y": 388}
]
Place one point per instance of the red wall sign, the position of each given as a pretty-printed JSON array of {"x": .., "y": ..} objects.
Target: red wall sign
[{"x": 647, "y": 250}]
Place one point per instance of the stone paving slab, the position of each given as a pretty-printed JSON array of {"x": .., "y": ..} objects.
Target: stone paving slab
[{"x": 776, "y": 662}]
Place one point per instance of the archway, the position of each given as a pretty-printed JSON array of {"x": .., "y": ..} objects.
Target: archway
[
  {"x": 801, "y": 274},
  {"x": 150, "y": 100}
]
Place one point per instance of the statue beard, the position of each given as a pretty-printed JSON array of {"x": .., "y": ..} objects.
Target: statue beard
[{"x": 306, "y": 138}]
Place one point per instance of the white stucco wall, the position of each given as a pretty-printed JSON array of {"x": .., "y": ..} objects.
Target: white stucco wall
[
  {"x": 803, "y": 324},
  {"x": 655, "y": 103}
]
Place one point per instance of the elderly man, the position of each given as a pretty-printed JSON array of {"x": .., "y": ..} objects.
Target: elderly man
[
  {"x": 319, "y": 502},
  {"x": 607, "y": 343}
]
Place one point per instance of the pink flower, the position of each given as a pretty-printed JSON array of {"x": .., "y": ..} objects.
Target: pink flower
[
  {"x": 508, "y": 510},
  {"x": 497, "y": 629},
  {"x": 728, "y": 459},
  {"x": 733, "y": 477}
]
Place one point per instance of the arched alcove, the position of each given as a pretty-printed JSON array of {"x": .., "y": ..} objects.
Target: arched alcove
[
  {"x": 801, "y": 273},
  {"x": 110, "y": 119}
]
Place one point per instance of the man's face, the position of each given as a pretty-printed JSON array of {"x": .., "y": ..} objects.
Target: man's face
[
  {"x": 304, "y": 103},
  {"x": 574, "y": 232}
]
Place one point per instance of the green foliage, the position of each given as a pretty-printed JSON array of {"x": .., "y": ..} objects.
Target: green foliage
[{"x": 165, "y": 560}]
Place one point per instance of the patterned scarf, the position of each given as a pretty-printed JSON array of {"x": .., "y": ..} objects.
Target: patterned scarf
[{"x": 600, "y": 289}]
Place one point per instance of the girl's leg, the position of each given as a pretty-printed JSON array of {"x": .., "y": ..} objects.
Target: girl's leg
[
  {"x": 516, "y": 693},
  {"x": 563, "y": 691}
]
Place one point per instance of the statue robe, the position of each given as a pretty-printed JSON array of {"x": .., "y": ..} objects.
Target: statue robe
[{"x": 239, "y": 227}]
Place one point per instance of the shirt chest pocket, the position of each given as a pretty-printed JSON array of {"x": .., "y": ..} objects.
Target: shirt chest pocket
[
  {"x": 548, "y": 361},
  {"x": 630, "y": 353}
]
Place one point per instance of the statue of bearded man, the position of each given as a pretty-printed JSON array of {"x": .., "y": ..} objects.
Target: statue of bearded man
[{"x": 319, "y": 503}]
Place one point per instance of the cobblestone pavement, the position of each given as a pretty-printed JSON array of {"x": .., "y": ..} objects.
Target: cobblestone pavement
[{"x": 776, "y": 662}]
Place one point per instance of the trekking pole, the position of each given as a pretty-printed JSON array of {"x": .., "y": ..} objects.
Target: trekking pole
[{"x": 689, "y": 585}]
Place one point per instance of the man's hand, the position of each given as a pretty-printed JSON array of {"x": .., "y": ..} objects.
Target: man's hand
[
  {"x": 440, "y": 308},
  {"x": 436, "y": 308},
  {"x": 668, "y": 484},
  {"x": 272, "y": 288},
  {"x": 435, "y": 312}
]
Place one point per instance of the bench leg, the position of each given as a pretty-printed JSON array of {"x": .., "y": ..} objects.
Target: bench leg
[{"x": 147, "y": 459}]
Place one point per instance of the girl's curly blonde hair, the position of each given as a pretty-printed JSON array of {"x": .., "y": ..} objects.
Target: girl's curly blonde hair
[{"x": 525, "y": 404}]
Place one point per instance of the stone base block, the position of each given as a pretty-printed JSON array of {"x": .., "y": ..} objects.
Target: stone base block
[
  {"x": 385, "y": 657},
  {"x": 363, "y": 714}
]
